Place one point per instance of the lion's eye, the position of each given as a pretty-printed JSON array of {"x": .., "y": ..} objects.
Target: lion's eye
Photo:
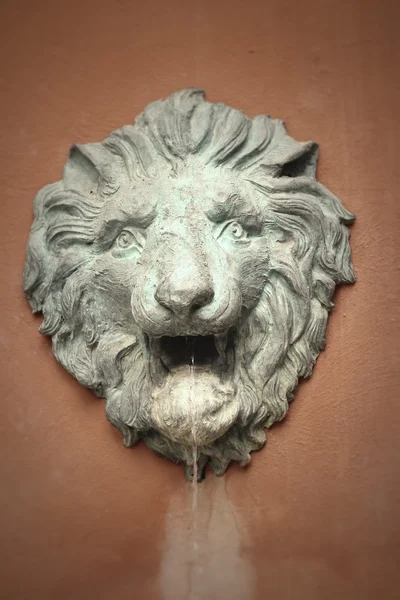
[
  {"x": 126, "y": 239},
  {"x": 128, "y": 244},
  {"x": 235, "y": 231}
]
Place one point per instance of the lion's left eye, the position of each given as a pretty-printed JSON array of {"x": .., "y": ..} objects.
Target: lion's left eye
[{"x": 236, "y": 231}]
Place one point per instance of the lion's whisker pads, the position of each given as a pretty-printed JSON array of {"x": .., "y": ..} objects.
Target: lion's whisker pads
[{"x": 185, "y": 268}]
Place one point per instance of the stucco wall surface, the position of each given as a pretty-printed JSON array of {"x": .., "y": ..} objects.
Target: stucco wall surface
[{"x": 316, "y": 515}]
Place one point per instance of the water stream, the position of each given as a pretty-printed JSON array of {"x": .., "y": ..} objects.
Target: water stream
[
  {"x": 194, "y": 422},
  {"x": 194, "y": 485},
  {"x": 205, "y": 557}
]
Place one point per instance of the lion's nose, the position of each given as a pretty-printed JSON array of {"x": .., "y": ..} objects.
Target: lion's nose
[{"x": 184, "y": 290}]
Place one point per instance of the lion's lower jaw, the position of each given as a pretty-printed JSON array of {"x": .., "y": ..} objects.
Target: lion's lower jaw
[
  {"x": 195, "y": 414},
  {"x": 192, "y": 414},
  {"x": 194, "y": 407}
]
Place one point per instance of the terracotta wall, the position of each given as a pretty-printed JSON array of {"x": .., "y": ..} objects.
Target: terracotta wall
[{"x": 316, "y": 515}]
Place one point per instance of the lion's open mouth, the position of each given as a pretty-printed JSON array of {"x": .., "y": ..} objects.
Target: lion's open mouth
[
  {"x": 193, "y": 396},
  {"x": 190, "y": 350},
  {"x": 212, "y": 353}
]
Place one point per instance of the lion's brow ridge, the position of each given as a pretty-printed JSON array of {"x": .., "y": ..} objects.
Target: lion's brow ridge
[{"x": 234, "y": 205}]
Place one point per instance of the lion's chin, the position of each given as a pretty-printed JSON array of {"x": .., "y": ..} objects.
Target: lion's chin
[{"x": 193, "y": 406}]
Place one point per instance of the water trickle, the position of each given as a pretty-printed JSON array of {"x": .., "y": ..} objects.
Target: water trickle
[
  {"x": 194, "y": 423},
  {"x": 194, "y": 529}
]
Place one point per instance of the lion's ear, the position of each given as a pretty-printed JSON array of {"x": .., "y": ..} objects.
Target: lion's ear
[
  {"x": 54, "y": 212},
  {"x": 284, "y": 156},
  {"x": 304, "y": 161},
  {"x": 84, "y": 167}
]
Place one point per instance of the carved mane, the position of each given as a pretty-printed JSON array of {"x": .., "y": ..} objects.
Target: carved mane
[{"x": 166, "y": 137}]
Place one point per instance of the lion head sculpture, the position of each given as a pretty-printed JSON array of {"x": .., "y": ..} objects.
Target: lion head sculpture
[{"x": 185, "y": 268}]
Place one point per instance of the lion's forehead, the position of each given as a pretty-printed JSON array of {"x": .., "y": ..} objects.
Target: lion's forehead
[{"x": 216, "y": 195}]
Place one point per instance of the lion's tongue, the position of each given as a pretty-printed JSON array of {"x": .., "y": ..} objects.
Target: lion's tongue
[{"x": 193, "y": 407}]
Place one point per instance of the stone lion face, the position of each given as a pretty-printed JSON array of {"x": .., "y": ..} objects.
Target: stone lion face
[{"x": 185, "y": 268}]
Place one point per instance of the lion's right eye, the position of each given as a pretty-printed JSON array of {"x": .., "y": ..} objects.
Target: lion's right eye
[
  {"x": 128, "y": 244},
  {"x": 126, "y": 239}
]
